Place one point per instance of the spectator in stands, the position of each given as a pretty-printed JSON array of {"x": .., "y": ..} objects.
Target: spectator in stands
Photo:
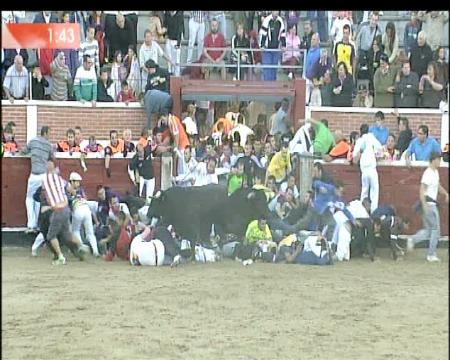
[
  {"x": 291, "y": 55},
  {"x": 326, "y": 90},
  {"x": 433, "y": 23},
  {"x": 45, "y": 56},
  {"x": 90, "y": 47},
  {"x": 390, "y": 42},
  {"x": 246, "y": 18},
  {"x": 389, "y": 149},
  {"x": 344, "y": 51},
  {"x": 16, "y": 85},
  {"x": 190, "y": 121},
  {"x": 71, "y": 55},
  {"x": 158, "y": 78},
  {"x": 38, "y": 84},
  {"x": 280, "y": 164},
  {"x": 118, "y": 74},
  {"x": 126, "y": 94},
  {"x": 337, "y": 29},
  {"x": 128, "y": 144},
  {"x": 62, "y": 80},
  {"x": 103, "y": 85},
  {"x": 367, "y": 34},
  {"x": 221, "y": 18},
  {"x": 378, "y": 129},
  {"x": 365, "y": 151},
  {"x": 312, "y": 58},
  {"x": 214, "y": 39},
  {"x": 322, "y": 66},
  {"x": 150, "y": 50},
  {"x": 255, "y": 72},
  {"x": 10, "y": 54},
  {"x": 123, "y": 33},
  {"x": 174, "y": 23},
  {"x": 342, "y": 87},
  {"x": 197, "y": 25},
  {"x": 323, "y": 139},
  {"x": 115, "y": 146},
  {"x": 383, "y": 82},
  {"x": 156, "y": 27},
  {"x": 280, "y": 122},
  {"x": 373, "y": 59},
  {"x": 412, "y": 29},
  {"x": 431, "y": 88},
  {"x": 85, "y": 83},
  {"x": 131, "y": 63},
  {"x": 243, "y": 130},
  {"x": 421, "y": 147},
  {"x": 405, "y": 134},
  {"x": 291, "y": 17},
  {"x": 240, "y": 40},
  {"x": 363, "y": 97},
  {"x": 307, "y": 35},
  {"x": 406, "y": 87},
  {"x": 69, "y": 145},
  {"x": 430, "y": 187},
  {"x": 421, "y": 55},
  {"x": 442, "y": 65},
  {"x": 273, "y": 35},
  {"x": 41, "y": 151},
  {"x": 97, "y": 20}
]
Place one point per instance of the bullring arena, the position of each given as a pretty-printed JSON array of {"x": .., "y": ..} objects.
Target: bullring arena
[{"x": 383, "y": 305}]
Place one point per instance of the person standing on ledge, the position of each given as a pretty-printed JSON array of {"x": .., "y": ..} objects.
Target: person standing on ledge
[
  {"x": 41, "y": 151},
  {"x": 429, "y": 189}
]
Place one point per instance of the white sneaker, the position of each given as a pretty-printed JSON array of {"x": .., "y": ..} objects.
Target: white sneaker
[
  {"x": 59, "y": 261},
  {"x": 247, "y": 262},
  {"x": 34, "y": 252},
  {"x": 433, "y": 258},
  {"x": 409, "y": 244},
  {"x": 290, "y": 76}
]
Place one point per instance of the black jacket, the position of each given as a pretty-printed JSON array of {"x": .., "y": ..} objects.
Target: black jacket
[
  {"x": 407, "y": 91},
  {"x": 404, "y": 138},
  {"x": 144, "y": 166},
  {"x": 38, "y": 88},
  {"x": 102, "y": 94},
  {"x": 160, "y": 80},
  {"x": 174, "y": 25},
  {"x": 420, "y": 57}
]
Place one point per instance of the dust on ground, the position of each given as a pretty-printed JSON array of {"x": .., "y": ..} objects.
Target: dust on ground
[{"x": 98, "y": 310}]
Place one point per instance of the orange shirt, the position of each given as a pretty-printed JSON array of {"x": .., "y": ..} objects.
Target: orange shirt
[
  {"x": 341, "y": 149},
  {"x": 143, "y": 141},
  {"x": 176, "y": 128},
  {"x": 118, "y": 148},
  {"x": 63, "y": 146},
  {"x": 227, "y": 125},
  {"x": 10, "y": 146}
]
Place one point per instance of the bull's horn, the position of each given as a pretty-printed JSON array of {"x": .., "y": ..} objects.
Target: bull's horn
[{"x": 251, "y": 195}]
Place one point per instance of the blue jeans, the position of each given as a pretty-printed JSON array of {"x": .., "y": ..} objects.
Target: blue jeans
[
  {"x": 270, "y": 58},
  {"x": 431, "y": 230}
]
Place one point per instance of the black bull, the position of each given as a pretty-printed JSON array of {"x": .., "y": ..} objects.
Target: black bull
[{"x": 192, "y": 210}]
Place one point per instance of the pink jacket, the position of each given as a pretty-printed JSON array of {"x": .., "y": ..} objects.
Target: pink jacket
[{"x": 292, "y": 47}]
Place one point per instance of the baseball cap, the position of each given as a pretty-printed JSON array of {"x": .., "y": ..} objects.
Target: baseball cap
[{"x": 74, "y": 176}]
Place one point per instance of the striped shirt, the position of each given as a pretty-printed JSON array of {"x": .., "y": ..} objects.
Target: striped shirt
[
  {"x": 55, "y": 192},
  {"x": 199, "y": 16},
  {"x": 16, "y": 83},
  {"x": 90, "y": 48}
]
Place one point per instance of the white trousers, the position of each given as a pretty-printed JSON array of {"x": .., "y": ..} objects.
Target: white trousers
[
  {"x": 342, "y": 236},
  {"x": 174, "y": 55},
  {"x": 149, "y": 188},
  {"x": 369, "y": 184},
  {"x": 196, "y": 33},
  {"x": 82, "y": 216},
  {"x": 33, "y": 207}
]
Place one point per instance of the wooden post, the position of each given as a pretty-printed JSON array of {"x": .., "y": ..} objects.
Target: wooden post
[
  {"x": 305, "y": 172},
  {"x": 175, "y": 92}
]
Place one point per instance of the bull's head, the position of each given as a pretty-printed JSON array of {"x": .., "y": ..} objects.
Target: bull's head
[{"x": 156, "y": 206}]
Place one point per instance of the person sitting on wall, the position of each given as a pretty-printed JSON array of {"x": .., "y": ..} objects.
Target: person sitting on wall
[
  {"x": 9, "y": 143},
  {"x": 115, "y": 146},
  {"x": 69, "y": 145}
]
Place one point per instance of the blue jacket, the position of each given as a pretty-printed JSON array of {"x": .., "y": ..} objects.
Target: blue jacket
[
  {"x": 323, "y": 194},
  {"x": 312, "y": 58},
  {"x": 381, "y": 133},
  {"x": 423, "y": 151}
]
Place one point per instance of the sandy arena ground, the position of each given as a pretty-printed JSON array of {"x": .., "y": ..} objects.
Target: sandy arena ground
[{"x": 96, "y": 310}]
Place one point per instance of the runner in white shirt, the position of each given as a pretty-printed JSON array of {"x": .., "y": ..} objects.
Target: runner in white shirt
[
  {"x": 429, "y": 189},
  {"x": 150, "y": 253},
  {"x": 366, "y": 148}
]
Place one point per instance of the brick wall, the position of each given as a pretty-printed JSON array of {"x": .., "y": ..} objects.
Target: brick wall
[
  {"x": 349, "y": 122},
  {"x": 99, "y": 121}
]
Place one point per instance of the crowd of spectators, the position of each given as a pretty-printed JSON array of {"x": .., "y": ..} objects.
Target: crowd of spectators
[{"x": 355, "y": 63}]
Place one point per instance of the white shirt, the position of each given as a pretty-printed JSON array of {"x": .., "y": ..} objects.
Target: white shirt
[
  {"x": 337, "y": 30},
  {"x": 430, "y": 178},
  {"x": 284, "y": 186},
  {"x": 202, "y": 177},
  {"x": 298, "y": 142},
  {"x": 150, "y": 253},
  {"x": 191, "y": 126},
  {"x": 357, "y": 209},
  {"x": 244, "y": 131},
  {"x": 368, "y": 146},
  {"x": 149, "y": 52}
]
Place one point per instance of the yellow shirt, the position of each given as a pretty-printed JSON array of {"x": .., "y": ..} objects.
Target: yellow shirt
[
  {"x": 280, "y": 165},
  {"x": 254, "y": 233},
  {"x": 269, "y": 193}
]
